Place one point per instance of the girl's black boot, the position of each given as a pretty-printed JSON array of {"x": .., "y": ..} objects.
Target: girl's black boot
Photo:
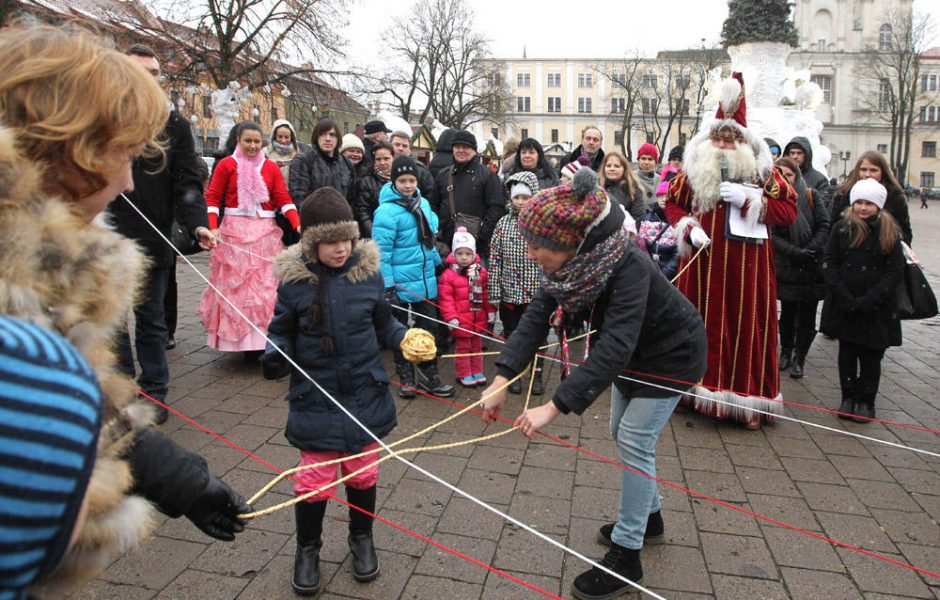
[{"x": 309, "y": 517}]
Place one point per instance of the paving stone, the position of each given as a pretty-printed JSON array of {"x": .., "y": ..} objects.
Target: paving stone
[
  {"x": 803, "y": 583},
  {"x": 393, "y": 539},
  {"x": 274, "y": 580},
  {"x": 251, "y": 550},
  {"x": 463, "y": 517},
  {"x": 199, "y": 584},
  {"x": 546, "y": 483},
  {"x": 913, "y": 528},
  {"x": 717, "y": 518},
  {"x": 156, "y": 563},
  {"x": 738, "y": 555},
  {"x": 880, "y": 494},
  {"x": 675, "y": 568},
  {"x": 521, "y": 551},
  {"x": 550, "y": 456},
  {"x": 488, "y": 486},
  {"x": 877, "y": 576},
  {"x": 499, "y": 588},
  {"x": 807, "y": 469},
  {"x": 841, "y": 444},
  {"x": 793, "y": 511},
  {"x": 420, "y": 586},
  {"x": 825, "y": 497},
  {"x": 448, "y": 468},
  {"x": 498, "y": 460},
  {"x": 594, "y": 503},
  {"x": 799, "y": 449},
  {"x": 597, "y": 474},
  {"x": 723, "y": 486},
  {"x": 794, "y": 549},
  {"x": 548, "y": 515},
  {"x": 750, "y": 456},
  {"x": 424, "y": 497},
  {"x": 743, "y": 588},
  {"x": 105, "y": 590},
  {"x": 762, "y": 481},
  {"x": 396, "y": 569},
  {"x": 702, "y": 459},
  {"x": 437, "y": 562},
  {"x": 856, "y": 530},
  {"x": 853, "y": 467}
]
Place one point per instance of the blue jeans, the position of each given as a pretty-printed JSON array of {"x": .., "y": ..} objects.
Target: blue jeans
[
  {"x": 635, "y": 424},
  {"x": 149, "y": 338}
]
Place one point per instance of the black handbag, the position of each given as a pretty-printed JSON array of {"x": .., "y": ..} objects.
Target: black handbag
[
  {"x": 472, "y": 223},
  {"x": 915, "y": 298}
]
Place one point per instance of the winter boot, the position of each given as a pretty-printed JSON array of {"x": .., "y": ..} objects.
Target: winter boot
[
  {"x": 515, "y": 387},
  {"x": 786, "y": 358},
  {"x": 309, "y": 516},
  {"x": 849, "y": 387},
  {"x": 429, "y": 381},
  {"x": 796, "y": 369},
  {"x": 364, "y": 560},
  {"x": 537, "y": 388},
  {"x": 406, "y": 376},
  {"x": 865, "y": 408},
  {"x": 600, "y": 585},
  {"x": 655, "y": 527}
]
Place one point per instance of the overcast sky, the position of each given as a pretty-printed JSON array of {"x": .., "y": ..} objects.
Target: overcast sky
[{"x": 568, "y": 29}]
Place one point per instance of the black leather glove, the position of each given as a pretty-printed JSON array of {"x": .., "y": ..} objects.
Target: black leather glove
[
  {"x": 273, "y": 365},
  {"x": 215, "y": 511},
  {"x": 808, "y": 255}
]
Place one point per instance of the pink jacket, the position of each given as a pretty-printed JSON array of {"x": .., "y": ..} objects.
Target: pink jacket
[{"x": 453, "y": 295}]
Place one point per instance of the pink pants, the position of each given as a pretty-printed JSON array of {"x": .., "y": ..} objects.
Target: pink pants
[
  {"x": 468, "y": 365},
  {"x": 314, "y": 479}
]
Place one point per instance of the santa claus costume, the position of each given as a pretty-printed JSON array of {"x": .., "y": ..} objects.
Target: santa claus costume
[{"x": 732, "y": 282}]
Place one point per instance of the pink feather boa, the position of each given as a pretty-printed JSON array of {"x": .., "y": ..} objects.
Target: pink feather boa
[{"x": 252, "y": 191}]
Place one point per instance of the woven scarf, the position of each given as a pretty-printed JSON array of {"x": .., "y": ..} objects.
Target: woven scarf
[
  {"x": 475, "y": 279},
  {"x": 381, "y": 175},
  {"x": 252, "y": 191},
  {"x": 579, "y": 283},
  {"x": 425, "y": 234}
]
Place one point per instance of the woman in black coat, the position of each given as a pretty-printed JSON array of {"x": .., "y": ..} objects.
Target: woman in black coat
[
  {"x": 369, "y": 185},
  {"x": 872, "y": 164},
  {"x": 798, "y": 250},
  {"x": 864, "y": 265},
  {"x": 531, "y": 157},
  {"x": 641, "y": 323}
]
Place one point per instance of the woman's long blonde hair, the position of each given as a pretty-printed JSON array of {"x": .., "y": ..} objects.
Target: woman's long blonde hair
[
  {"x": 75, "y": 106},
  {"x": 630, "y": 183},
  {"x": 889, "y": 232}
]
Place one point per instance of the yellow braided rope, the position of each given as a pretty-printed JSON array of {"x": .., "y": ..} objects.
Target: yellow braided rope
[
  {"x": 545, "y": 347},
  {"x": 418, "y": 346},
  {"x": 688, "y": 264},
  {"x": 303, "y": 497}
]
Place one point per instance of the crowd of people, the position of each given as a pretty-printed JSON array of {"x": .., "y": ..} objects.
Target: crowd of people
[{"x": 325, "y": 253}]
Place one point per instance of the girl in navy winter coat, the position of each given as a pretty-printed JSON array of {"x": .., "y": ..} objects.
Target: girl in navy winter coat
[
  {"x": 863, "y": 264},
  {"x": 331, "y": 317}
]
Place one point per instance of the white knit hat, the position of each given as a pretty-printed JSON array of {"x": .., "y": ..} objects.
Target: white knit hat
[
  {"x": 571, "y": 168},
  {"x": 351, "y": 140},
  {"x": 869, "y": 189},
  {"x": 463, "y": 239}
]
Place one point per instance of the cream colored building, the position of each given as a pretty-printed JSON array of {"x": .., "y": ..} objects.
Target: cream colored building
[{"x": 554, "y": 99}]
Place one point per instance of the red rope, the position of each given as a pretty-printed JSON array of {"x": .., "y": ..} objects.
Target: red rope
[
  {"x": 401, "y": 528},
  {"x": 704, "y": 496}
]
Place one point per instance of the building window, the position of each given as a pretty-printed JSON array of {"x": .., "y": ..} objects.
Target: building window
[
  {"x": 523, "y": 80},
  {"x": 683, "y": 138},
  {"x": 825, "y": 84},
  {"x": 885, "y": 43},
  {"x": 524, "y": 133},
  {"x": 554, "y": 80},
  {"x": 649, "y": 81},
  {"x": 927, "y": 179},
  {"x": 585, "y": 80},
  {"x": 928, "y": 83},
  {"x": 584, "y": 105},
  {"x": 618, "y": 138},
  {"x": 650, "y": 106},
  {"x": 494, "y": 132},
  {"x": 885, "y": 93},
  {"x": 346, "y": 127},
  {"x": 206, "y": 103},
  {"x": 883, "y": 148},
  {"x": 928, "y": 150},
  {"x": 683, "y": 82},
  {"x": 493, "y": 80},
  {"x": 618, "y": 105},
  {"x": 930, "y": 114},
  {"x": 554, "y": 104},
  {"x": 650, "y": 138},
  {"x": 523, "y": 104},
  {"x": 554, "y": 136},
  {"x": 619, "y": 79},
  {"x": 684, "y": 107}
]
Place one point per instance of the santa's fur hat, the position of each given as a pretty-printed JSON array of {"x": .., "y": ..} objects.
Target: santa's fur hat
[{"x": 730, "y": 120}]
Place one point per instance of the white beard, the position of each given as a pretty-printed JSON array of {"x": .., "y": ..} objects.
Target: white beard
[{"x": 704, "y": 173}]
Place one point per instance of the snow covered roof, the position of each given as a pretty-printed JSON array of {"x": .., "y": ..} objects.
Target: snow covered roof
[{"x": 394, "y": 122}]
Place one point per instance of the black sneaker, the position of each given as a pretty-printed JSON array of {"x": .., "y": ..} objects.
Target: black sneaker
[
  {"x": 429, "y": 381},
  {"x": 655, "y": 527},
  {"x": 406, "y": 377},
  {"x": 171, "y": 343},
  {"x": 600, "y": 585},
  {"x": 161, "y": 414}
]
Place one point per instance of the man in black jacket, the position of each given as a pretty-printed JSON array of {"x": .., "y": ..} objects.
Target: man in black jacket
[
  {"x": 801, "y": 152},
  {"x": 473, "y": 189},
  {"x": 163, "y": 188},
  {"x": 590, "y": 148}
]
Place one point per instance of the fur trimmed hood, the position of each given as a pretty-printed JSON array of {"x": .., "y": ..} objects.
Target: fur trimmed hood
[
  {"x": 293, "y": 264},
  {"x": 80, "y": 280}
]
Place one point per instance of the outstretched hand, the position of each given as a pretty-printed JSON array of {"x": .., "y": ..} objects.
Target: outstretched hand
[
  {"x": 215, "y": 511},
  {"x": 494, "y": 399},
  {"x": 534, "y": 419}
]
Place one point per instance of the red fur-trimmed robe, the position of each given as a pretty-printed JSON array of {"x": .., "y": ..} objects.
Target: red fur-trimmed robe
[{"x": 733, "y": 284}]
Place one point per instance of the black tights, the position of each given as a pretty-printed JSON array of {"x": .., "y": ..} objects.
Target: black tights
[
  {"x": 797, "y": 325},
  {"x": 860, "y": 370}
]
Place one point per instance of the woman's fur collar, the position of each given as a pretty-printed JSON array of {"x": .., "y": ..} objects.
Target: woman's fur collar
[
  {"x": 80, "y": 280},
  {"x": 290, "y": 265}
]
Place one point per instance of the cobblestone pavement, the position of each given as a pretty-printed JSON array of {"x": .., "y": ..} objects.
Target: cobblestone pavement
[{"x": 882, "y": 499}]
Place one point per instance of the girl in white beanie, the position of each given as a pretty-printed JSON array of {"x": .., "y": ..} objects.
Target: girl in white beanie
[{"x": 863, "y": 265}]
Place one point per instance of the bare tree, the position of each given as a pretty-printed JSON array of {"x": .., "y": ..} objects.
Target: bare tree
[
  {"x": 889, "y": 86},
  {"x": 442, "y": 69},
  {"x": 624, "y": 77},
  {"x": 652, "y": 92}
]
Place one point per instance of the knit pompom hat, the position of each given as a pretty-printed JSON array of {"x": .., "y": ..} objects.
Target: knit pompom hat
[
  {"x": 559, "y": 218},
  {"x": 350, "y": 141},
  {"x": 51, "y": 407},
  {"x": 648, "y": 149},
  {"x": 464, "y": 239},
  {"x": 574, "y": 166},
  {"x": 676, "y": 153},
  {"x": 325, "y": 216},
  {"x": 869, "y": 189}
]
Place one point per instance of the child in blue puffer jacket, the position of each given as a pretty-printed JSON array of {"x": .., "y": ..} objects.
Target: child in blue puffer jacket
[{"x": 404, "y": 227}]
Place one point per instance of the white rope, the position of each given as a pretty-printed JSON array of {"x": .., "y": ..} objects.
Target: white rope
[
  {"x": 248, "y": 252},
  {"x": 384, "y": 446},
  {"x": 725, "y": 402}
]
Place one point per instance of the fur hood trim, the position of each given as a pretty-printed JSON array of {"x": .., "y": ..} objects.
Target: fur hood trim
[
  {"x": 291, "y": 265},
  {"x": 328, "y": 232}
]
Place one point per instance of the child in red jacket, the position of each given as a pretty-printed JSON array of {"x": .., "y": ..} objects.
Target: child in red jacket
[{"x": 462, "y": 294}]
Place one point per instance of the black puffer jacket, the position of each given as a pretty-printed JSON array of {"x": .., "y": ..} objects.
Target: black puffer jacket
[
  {"x": 360, "y": 318},
  {"x": 367, "y": 200},
  {"x": 813, "y": 178},
  {"x": 175, "y": 190},
  {"x": 896, "y": 204},
  {"x": 860, "y": 287},
  {"x": 443, "y": 153},
  {"x": 477, "y": 192},
  {"x": 799, "y": 247},
  {"x": 643, "y": 323},
  {"x": 311, "y": 170}
]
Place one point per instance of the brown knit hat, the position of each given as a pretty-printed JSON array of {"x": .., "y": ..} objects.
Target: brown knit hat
[
  {"x": 559, "y": 218},
  {"x": 325, "y": 216}
]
